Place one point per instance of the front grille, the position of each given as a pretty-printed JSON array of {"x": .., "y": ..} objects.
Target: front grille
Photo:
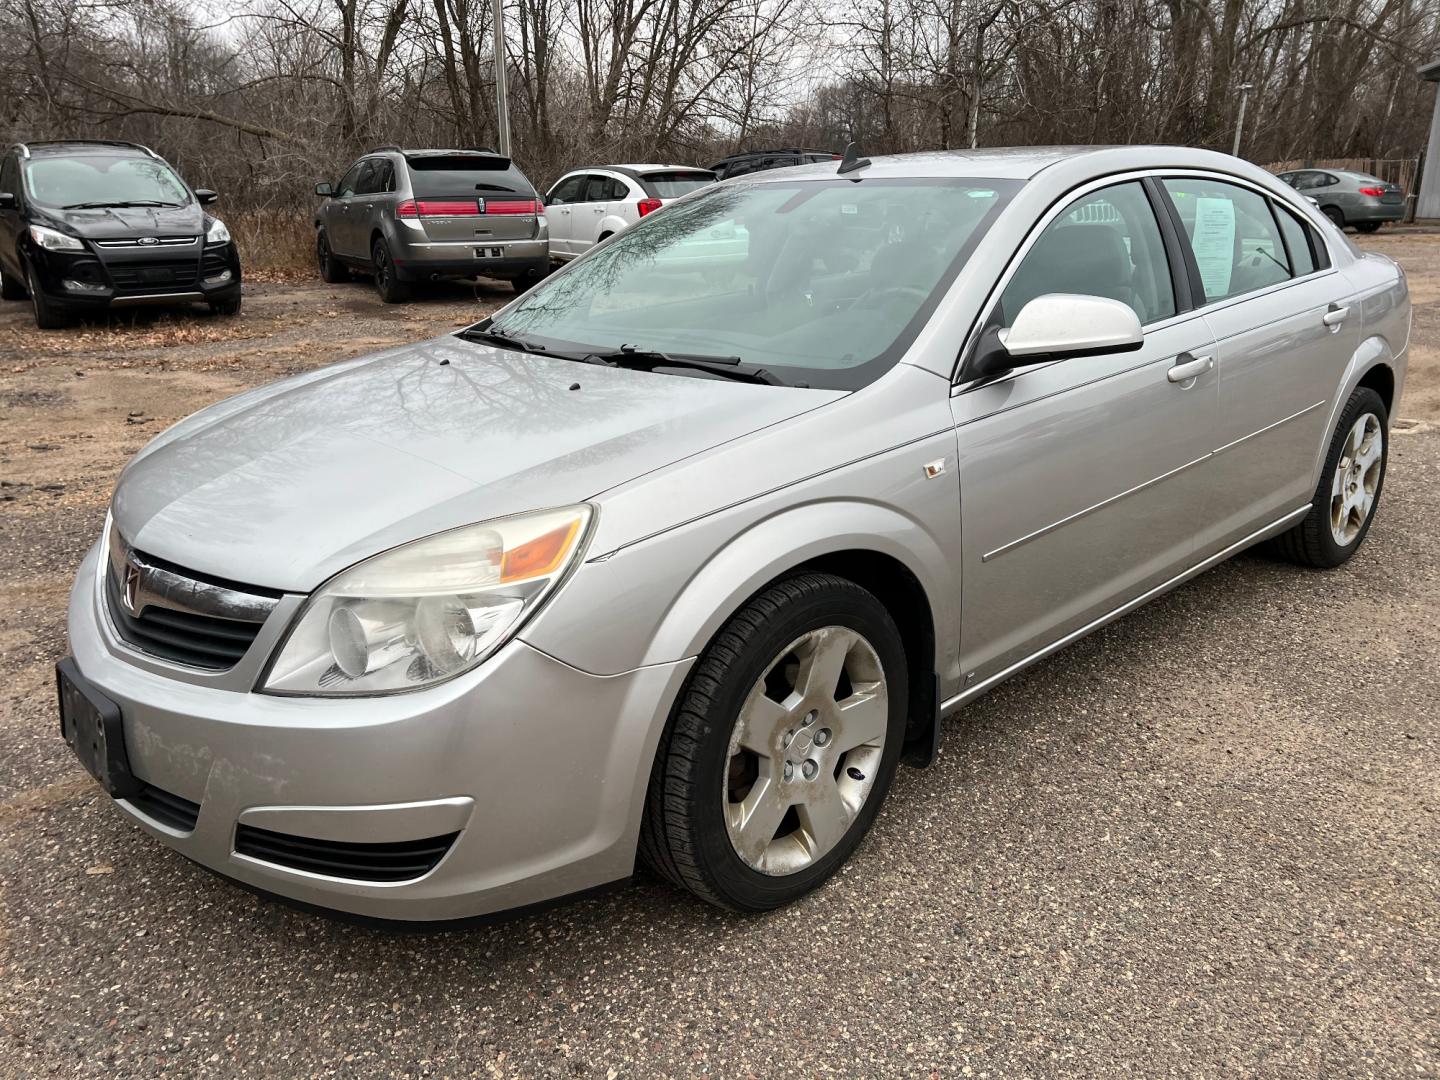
[
  {"x": 153, "y": 276},
  {"x": 398, "y": 861},
  {"x": 166, "y": 808},
  {"x": 136, "y": 242},
  {"x": 185, "y": 637}
]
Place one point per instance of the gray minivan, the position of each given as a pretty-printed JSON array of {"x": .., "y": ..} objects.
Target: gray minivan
[{"x": 410, "y": 216}]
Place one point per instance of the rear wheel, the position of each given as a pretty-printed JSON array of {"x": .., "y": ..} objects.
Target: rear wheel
[
  {"x": 781, "y": 748},
  {"x": 1335, "y": 214},
  {"x": 332, "y": 270},
  {"x": 11, "y": 287},
  {"x": 1368, "y": 226},
  {"x": 391, "y": 289},
  {"x": 48, "y": 315},
  {"x": 1349, "y": 488}
]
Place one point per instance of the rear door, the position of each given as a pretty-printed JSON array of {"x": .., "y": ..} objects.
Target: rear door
[
  {"x": 1080, "y": 479},
  {"x": 471, "y": 197},
  {"x": 560, "y": 212},
  {"x": 590, "y": 211},
  {"x": 1285, "y": 331}
]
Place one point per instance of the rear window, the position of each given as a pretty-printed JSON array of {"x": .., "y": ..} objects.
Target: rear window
[
  {"x": 440, "y": 176},
  {"x": 671, "y": 185}
]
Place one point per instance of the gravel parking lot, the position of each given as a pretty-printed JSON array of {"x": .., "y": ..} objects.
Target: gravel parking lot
[{"x": 1201, "y": 842}]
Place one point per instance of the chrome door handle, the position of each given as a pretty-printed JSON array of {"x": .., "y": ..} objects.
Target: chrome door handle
[
  {"x": 1336, "y": 315},
  {"x": 1189, "y": 369}
]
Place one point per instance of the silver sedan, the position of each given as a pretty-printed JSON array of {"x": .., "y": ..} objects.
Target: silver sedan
[{"x": 680, "y": 555}]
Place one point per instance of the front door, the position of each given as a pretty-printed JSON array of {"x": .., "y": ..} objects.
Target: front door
[
  {"x": 560, "y": 212},
  {"x": 10, "y": 218},
  {"x": 1285, "y": 332},
  {"x": 1079, "y": 479},
  {"x": 340, "y": 218}
]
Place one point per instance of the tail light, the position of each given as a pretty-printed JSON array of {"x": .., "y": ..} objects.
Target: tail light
[
  {"x": 510, "y": 206},
  {"x": 418, "y": 208},
  {"x": 1372, "y": 191},
  {"x": 646, "y": 206}
]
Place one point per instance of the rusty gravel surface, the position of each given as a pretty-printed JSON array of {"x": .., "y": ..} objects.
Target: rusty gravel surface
[{"x": 1201, "y": 842}]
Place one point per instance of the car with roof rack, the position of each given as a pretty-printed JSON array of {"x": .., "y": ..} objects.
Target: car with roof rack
[
  {"x": 589, "y": 205},
  {"x": 89, "y": 226},
  {"x": 750, "y": 161},
  {"x": 409, "y": 216}
]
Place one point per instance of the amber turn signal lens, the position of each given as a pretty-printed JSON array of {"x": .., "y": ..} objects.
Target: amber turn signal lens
[{"x": 541, "y": 556}]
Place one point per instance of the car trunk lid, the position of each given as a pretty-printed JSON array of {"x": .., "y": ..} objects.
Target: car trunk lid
[{"x": 479, "y": 197}]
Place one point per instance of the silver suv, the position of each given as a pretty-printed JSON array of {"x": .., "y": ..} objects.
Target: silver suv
[{"x": 409, "y": 216}]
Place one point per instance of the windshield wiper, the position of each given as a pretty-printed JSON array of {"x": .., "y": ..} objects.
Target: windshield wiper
[
  {"x": 649, "y": 359},
  {"x": 505, "y": 341},
  {"x": 118, "y": 205}
]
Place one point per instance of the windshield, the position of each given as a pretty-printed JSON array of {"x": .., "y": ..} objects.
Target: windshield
[
  {"x": 820, "y": 282},
  {"x": 671, "y": 185},
  {"x": 102, "y": 178}
]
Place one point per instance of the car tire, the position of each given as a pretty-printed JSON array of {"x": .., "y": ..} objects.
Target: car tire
[
  {"x": 1349, "y": 490},
  {"x": 332, "y": 270},
  {"x": 764, "y": 681},
  {"x": 391, "y": 289},
  {"x": 1368, "y": 226},
  {"x": 12, "y": 287},
  {"x": 47, "y": 315},
  {"x": 226, "y": 307},
  {"x": 1335, "y": 214}
]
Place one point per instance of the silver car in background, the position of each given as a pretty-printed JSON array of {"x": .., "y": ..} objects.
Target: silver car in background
[
  {"x": 683, "y": 563},
  {"x": 1350, "y": 198}
]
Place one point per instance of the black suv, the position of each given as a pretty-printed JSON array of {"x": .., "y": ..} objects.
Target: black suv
[
  {"x": 87, "y": 225},
  {"x": 749, "y": 161}
]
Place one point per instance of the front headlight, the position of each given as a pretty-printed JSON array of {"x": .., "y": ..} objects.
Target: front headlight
[
  {"x": 54, "y": 239},
  {"x": 217, "y": 233},
  {"x": 428, "y": 610}
]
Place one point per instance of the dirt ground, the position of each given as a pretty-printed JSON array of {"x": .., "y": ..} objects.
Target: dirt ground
[{"x": 1202, "y": 842}]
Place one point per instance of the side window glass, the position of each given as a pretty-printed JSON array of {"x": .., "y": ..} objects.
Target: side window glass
[
  {"x": 348, "y": 181},
  {"x": 618, "y": 190},
  {"x": 1106, "y": 244},
  {"x": 597, "y": 190},
  {"x": 7, "y": 176},
  {"x": 1232, "y": 234},
  {"x": 384, "y": 177},
  {"x": 567, "y": 192},
  {"x": 368, "y": 182},
  {"x": 1298, "y": 242}
]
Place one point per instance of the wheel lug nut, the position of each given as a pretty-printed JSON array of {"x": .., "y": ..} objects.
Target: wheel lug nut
[
  {"x": 810, "y": 718},
  {"x": 788, "y": 739},
  {"x": 810, "y": 768},
  {"x": 822, "y": 736},
  {"x": 789, "y": 771}
]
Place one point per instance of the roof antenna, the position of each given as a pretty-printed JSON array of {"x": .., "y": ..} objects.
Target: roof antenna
[{"x": 852, "y": 160}]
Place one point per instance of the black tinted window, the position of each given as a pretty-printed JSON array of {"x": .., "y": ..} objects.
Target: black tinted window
[
  {"x": 602, "y": 189},
  {"x": 367, "y": 183},
  {"x": 567, "y": 191},
  {"x": 671, "y": 185},
  {"x": 8, "y": 175},
  {"x": 349, "y": 180},
  {"x": 443, "y": 176}
]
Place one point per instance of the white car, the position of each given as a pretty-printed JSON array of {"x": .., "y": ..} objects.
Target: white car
[{"x": 587, "y": 205}]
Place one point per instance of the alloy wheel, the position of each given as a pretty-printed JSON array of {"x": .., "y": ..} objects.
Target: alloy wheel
[
  {"x": 1357, "y": 478},
  {"x": 805, "y": 750}
]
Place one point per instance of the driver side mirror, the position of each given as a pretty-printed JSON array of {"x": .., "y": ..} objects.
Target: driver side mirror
[
  {"x": 1057, "y": 326},
  {"x": 327, "y": 190},
  {"x": 206, "y": 196},
  {"x": 7, "y": 200}
]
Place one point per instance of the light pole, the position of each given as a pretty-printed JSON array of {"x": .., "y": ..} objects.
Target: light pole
[
  {"x": 502, "y": 109},
  {"x": 1245, "y": 89}
]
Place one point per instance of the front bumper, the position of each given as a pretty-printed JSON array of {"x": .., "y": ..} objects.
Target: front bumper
[
  {"x": 539, "y": 767},
  {"x": 132, "y": 276}
]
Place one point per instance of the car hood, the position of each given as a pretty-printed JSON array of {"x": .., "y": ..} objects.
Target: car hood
[
  {"x": 123, "y": 222},
  {"x": 286, "y": 485}
]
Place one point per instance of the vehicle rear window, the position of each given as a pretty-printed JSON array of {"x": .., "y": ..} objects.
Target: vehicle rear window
[
  {"x": 439, "y": 176},
  {"x": 671, "y": 185}
]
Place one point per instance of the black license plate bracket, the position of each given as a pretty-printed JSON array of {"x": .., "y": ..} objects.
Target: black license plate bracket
[{"x": 93, "y": 728}]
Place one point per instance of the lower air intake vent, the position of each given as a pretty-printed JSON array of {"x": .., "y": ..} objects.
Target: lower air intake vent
[
  {"x": 180, "y": 814},
  {"x": 398, "y": 861}
]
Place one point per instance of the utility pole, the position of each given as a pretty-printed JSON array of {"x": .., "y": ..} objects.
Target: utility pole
[
  {"x": 502, "y": 108},
  {"x": 1245, "y": 89}
]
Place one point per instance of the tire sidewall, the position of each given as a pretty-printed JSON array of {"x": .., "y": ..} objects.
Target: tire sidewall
[
  {"x": 741, "y": 885},
  {"x": 1362, "y": 401}
]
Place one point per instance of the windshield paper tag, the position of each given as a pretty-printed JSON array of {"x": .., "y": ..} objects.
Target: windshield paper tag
[{"x": 1214, "y": 244}]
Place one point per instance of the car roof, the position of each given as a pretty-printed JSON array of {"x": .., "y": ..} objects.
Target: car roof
[
  {"x": 60, "y": 147},
  {"x": 1018, "y": 163}
]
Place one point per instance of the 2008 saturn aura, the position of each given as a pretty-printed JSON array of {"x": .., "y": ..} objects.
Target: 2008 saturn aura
[{"x": 680, "y": 554}]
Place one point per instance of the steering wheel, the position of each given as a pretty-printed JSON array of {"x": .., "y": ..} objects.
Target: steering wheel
[{"x": 884, "y": 291}]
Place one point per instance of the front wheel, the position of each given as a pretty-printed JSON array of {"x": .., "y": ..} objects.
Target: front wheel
[
  {"x": 781, "y": 748},
  {"x": 229, "y": 306},
  {"x": 48, "y": 316},
  {"x": 1349, "y": 488},
  {"x": 332, "y": 270}
]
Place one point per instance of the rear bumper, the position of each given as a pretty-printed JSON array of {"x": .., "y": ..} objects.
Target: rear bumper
[
  {"x": 517, "y": 259},
  {"x": 1375, "y": 212}
]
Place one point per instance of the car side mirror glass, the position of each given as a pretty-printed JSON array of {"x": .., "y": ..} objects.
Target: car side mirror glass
[
  {"x": 206, "y": 196},
  {"x": 7, "y": 200},
  {"x": 327, "y": 190}
]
